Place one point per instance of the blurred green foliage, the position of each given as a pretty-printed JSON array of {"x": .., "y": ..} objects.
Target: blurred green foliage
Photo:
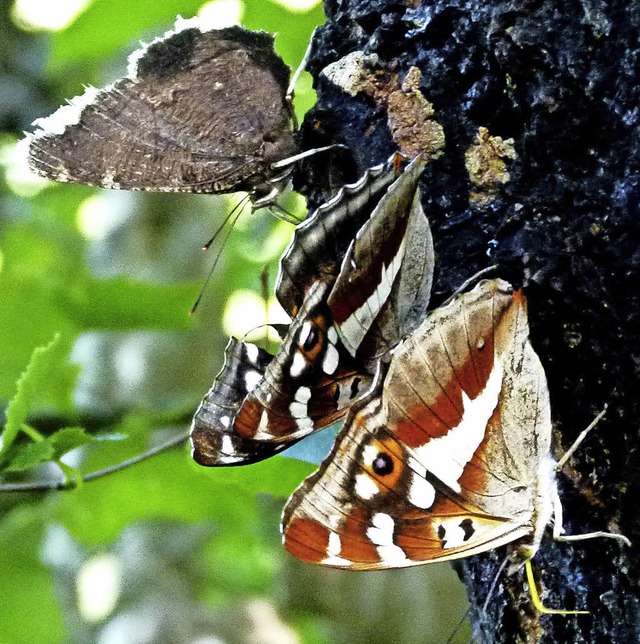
[{"x": 96, "y": 342}]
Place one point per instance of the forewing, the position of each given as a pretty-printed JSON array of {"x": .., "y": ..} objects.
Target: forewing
[{"x": 383, "y": 288}]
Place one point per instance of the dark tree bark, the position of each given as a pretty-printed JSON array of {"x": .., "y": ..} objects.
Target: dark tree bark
[{"x": 562, "y": 81}]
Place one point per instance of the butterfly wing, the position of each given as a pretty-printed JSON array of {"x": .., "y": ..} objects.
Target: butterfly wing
[
  {"x": 384, "y": 285},
  {"x": 319, "y": 243},
  {"x": 201, "y": 111},
  {"x": 313, "y": 379},
  {"x": 212, "y": 437},
  {"x": 310, "y": 382},
  {"x": 446, "y": 458},
  {"x": 325, "y": 360}
]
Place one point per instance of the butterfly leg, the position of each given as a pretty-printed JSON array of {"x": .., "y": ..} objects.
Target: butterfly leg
[
  {"x": 583, "y": 434},
  {"x": 558, "y": 530},
  {"x": 557, "y": 504},
  {"x": 537, "y": 602}
]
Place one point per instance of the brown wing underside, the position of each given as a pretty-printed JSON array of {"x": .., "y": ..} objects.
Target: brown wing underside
[{"x": 444, "y": 460}]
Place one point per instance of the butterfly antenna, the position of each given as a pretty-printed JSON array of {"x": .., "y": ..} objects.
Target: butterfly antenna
[
  {"x": 456, "y": 630},
  {"x": 237, "y": 210},
  {"x": 264, "y": 285},
  {"x": 583, "y": 434},
  {"x": 472, "y": 280},
  {"x": 301, "y": 67},
  {"x": 225, "y": 221},
  {"x": 494, "y": 583}
]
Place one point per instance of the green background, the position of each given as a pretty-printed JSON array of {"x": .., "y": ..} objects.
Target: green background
[{"x": 195, "y": 552}]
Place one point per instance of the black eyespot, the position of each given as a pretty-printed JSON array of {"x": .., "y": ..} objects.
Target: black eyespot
[
  {"x": 382, "y": 464},
  {"x": 336, "y": 396},
  {"x": 468, "y": 529},
  {"x": 441, "y": 532},
  {"x": 355, "y": 386},
  {"x": 311, "y": 339}
]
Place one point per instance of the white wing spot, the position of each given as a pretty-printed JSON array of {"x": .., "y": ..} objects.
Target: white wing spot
[
  {"x": 447, "y": 456},
  {"x": 392, "y": 555},
  {"x": 252, "y": 352},
  {"x": 421, "y": 492},
  {"x": 227, "y": 444},
  {"x": 455, "y": 534},
  {"x": 224, "y": 421},
  {"x": 304, "y": 332},
  {"x": 365, "y": 487},
  {"x": 333, "y": 551},
  {"x": 304, "y": 424},
  {"x": 381, "y": 531},
  {"x": 298, "y": 365},
  {"x": 298, "y": 409},
  {"x": 251, "y": 379},
  {"x": 331, "y": 360},
  {"x": 381, "y": 535},
  {"x": 264, "y": 422}
]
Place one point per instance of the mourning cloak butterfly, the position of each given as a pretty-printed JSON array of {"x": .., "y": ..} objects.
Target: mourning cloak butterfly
[{"x": 200, "y": 110}]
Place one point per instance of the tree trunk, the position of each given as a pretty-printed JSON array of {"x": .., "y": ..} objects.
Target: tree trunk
[{"x": 556, "y": 209}]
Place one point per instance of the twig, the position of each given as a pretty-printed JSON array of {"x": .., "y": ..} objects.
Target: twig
[{"x": 45, "y": 486}]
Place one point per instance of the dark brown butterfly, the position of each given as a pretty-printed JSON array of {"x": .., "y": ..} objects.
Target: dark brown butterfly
[{"x": 201, "y": 110}]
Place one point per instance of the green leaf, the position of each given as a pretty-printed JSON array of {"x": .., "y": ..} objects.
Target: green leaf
[
  {"x": 26, "y": 322},
  {"x": 29, "y": 456},
  {"x": 54, "y": 447},
  {"x": 122, "y": 304},
  {"x": 82, "y": 41},
  {"x": 29, "y": 611},
  {"x": 172, "y": 487},
  {"x": 47, "y": 377}
]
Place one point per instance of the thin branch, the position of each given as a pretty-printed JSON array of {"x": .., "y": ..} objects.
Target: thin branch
[{"x": 45, "y": 486}]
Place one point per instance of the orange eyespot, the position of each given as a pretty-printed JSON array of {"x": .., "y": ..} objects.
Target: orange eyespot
[
  {"x": 383, "y": 462},
  {"x": 311, "y": 338}
]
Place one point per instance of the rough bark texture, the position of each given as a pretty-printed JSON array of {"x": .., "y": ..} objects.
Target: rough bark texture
[{"x": 561, "y": 80}]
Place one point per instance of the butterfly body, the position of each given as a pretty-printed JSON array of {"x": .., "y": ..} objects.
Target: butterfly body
[{"x": 448, "y": 456}]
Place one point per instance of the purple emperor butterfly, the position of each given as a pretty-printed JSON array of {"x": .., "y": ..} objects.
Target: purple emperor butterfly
[
  {"x": 448, "y": 455},
  {"x": 362, "y": 297}
]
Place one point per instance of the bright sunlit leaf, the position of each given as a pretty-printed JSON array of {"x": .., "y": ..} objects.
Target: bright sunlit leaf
[
  {"x": 98, "y": 586},
  {"x": 222, "y": 13},
  {"x": 47, "y": 15},
  {"x": 19, "y": 178},
  {"x": 96, "y": 218},
  {"x": 246, "y": 312},
  {"x": 299, "y": 5}
]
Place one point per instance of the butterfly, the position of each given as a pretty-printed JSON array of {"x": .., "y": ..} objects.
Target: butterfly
[
  {"x": 201, "y": 110},
  {"x": 446, "y": 456},
  {"x": 363, "y": 297}
]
